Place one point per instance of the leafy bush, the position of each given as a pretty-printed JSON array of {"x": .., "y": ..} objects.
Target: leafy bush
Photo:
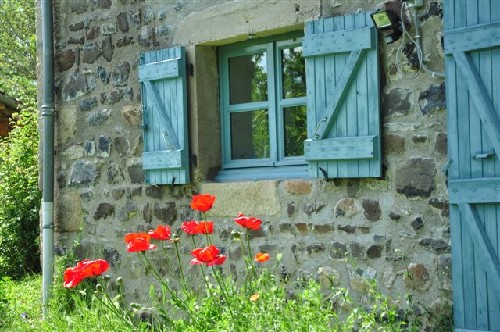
[{"x": 20, "y": 196}]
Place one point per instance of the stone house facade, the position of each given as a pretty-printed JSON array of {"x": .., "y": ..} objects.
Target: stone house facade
[{"x": 393, "y": 228}]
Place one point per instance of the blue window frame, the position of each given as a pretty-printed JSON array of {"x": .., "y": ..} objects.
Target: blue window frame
[{"x": 263, "y": 106}]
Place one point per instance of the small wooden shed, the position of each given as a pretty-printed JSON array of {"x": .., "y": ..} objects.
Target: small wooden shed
[{"x": 7, "y": 107}]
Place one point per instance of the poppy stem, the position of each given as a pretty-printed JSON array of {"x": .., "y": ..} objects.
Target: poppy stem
[
  {"x": 224, "y": 291},
  {"x": 245, "y": 260},
  {"x": 247, "y": 236},
  {"x": 181, "y": 270}
]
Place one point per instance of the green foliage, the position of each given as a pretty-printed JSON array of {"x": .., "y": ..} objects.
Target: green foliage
[
  {"x": 17, "y": 43},
  {"x": 19, "y": 194}
]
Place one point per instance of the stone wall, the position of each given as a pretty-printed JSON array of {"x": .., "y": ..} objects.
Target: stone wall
[{"x": 394, "y": 229}]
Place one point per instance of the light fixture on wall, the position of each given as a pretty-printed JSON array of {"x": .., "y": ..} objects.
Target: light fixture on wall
[{"x": 388, "y": 18}]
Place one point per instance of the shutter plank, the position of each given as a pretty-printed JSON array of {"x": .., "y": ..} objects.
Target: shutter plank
[
  {"x": 159, "y": 70},
  {"x": 480, "y": 99},
  {"x": 477, "y": 37},
  {"x": 165, "y": 158},
  {"x": 339, "y": 102},
  {"x": 343, "y": 148},
  {"x": 338, "y": 42}
]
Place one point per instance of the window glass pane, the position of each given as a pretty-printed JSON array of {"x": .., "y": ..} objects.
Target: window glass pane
[
  {"x": 248, "y": 78},
  {"x": 294, "y": 74},
  {"x": 250, "y": 135},
  {"x": 295, "y": 130}
]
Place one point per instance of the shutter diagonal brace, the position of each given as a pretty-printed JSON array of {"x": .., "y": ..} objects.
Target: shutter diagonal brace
[
  {"x": 169, "y": 134},
  {"x": 481, "y": 241},
  {"x": 480, "y": 99},
  {"x": 341, "y": 89}
]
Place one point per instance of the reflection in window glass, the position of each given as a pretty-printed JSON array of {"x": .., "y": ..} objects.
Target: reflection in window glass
[
  {"x": 295, "y": 130},
  {"x": 248, "y": 78},
  {"x": 294, "y": 75},
  {"x": 250, "y": 135}
]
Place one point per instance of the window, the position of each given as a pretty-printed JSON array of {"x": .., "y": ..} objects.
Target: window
[{"x": 263, "y": 103}]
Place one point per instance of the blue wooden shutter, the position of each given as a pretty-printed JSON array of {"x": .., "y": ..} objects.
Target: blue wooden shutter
[
  {"x": 472, "y": 48},
  {"x": 343, "y": 97},
  {"x": 162, "y": 75}
]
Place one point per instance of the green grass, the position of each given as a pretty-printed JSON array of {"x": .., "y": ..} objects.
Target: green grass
[
  {"x": 20, "y": 308},
  {"x": 275, "y": 309}
]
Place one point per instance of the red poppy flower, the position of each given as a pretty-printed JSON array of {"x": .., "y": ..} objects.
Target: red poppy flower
[
  {"x": 261, "y": 257},
  {"x": 194, "y": 227},
  {"x": 84, "y": 269},
  {"x": 138, "y": 242},
  {"x": 248, "y": 222},
  {"x": 209, "y": 256},
  {"x": 202, "y": 202},
  {"x": 93, "y": 268},
  {"x": 72, "y": 277},
  {"x": 161, "y": 233}
]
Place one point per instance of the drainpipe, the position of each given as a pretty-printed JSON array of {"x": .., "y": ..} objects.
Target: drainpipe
[{"x": 47, "y": 114}]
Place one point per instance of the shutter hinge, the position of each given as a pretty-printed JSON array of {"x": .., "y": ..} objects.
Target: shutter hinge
[
  {"x": 446, "y": 166},
  {"x": 315, "y": 134}
]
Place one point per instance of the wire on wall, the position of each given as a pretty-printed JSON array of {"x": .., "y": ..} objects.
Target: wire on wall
[{"x": 418, "y": 48}]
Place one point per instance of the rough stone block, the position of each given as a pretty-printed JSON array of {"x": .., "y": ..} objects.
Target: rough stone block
[
  {"x": 302, "y": 228},
  {"x": 117, "y": 193},
  {"x": 432, "y": 99},
  {"x": 92, "y": 33},
  {"x": 419, "y": 139},
  {"x": 104, "y": 146},
  {"x": 396, "y": 102},
  {"x": 417, "y": 223},
  {"x": 114, "y": 173},
  {"x": 394, "y": 143},
  {"x": 259, "y": 198},
  {"x": 371, "y": 209},
  {"x": 147, "y": 213},
  {"x": 154, "y": 192},
  {"x": 65, "y": 59},
  {"x": 74, "y": 152},
  {"x": 75, "y": 87},
  {"x": 347, "y": 228},
  {"x": 136, "y": 174},
  {"x": 107, "y": 48},
  {"x": 104, "y": 210},
  {"x": 290, "y": 209},
  {"x": 441, "y": 143},
  {"x": 76, "y": 26},
  {"x": 87, "y": 104},
  {"x": 166, "y": 214},
  {"x": 416, "y": 178},
  {"x": 360, "y": 278},
  {"x": 315, "y": 248},
  {"x": 416, "y": 276},
  {"x": 357, "y": 250},
  {"x": 346, "y": 207},
  {"x": 91, "y": 53},
  {"x": 374, "y": 251},
  {"x": 394, "y": 216},
  {"x": 69, "y": 212},
  {"x": 132, "y": 114},
  {"x": 120, "y": 74},
  {"x": 338, "y": 250},
  {"x": 98, "y": 118},
  {"x": 83, "y": 172},
  {"x": 112, "y": 256},
  {"x": 313, "y": 207},
  {"x": 122, "y": 21},
  {"x": 298, "y": 187},
  {"x": 323, "y": 229}
]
